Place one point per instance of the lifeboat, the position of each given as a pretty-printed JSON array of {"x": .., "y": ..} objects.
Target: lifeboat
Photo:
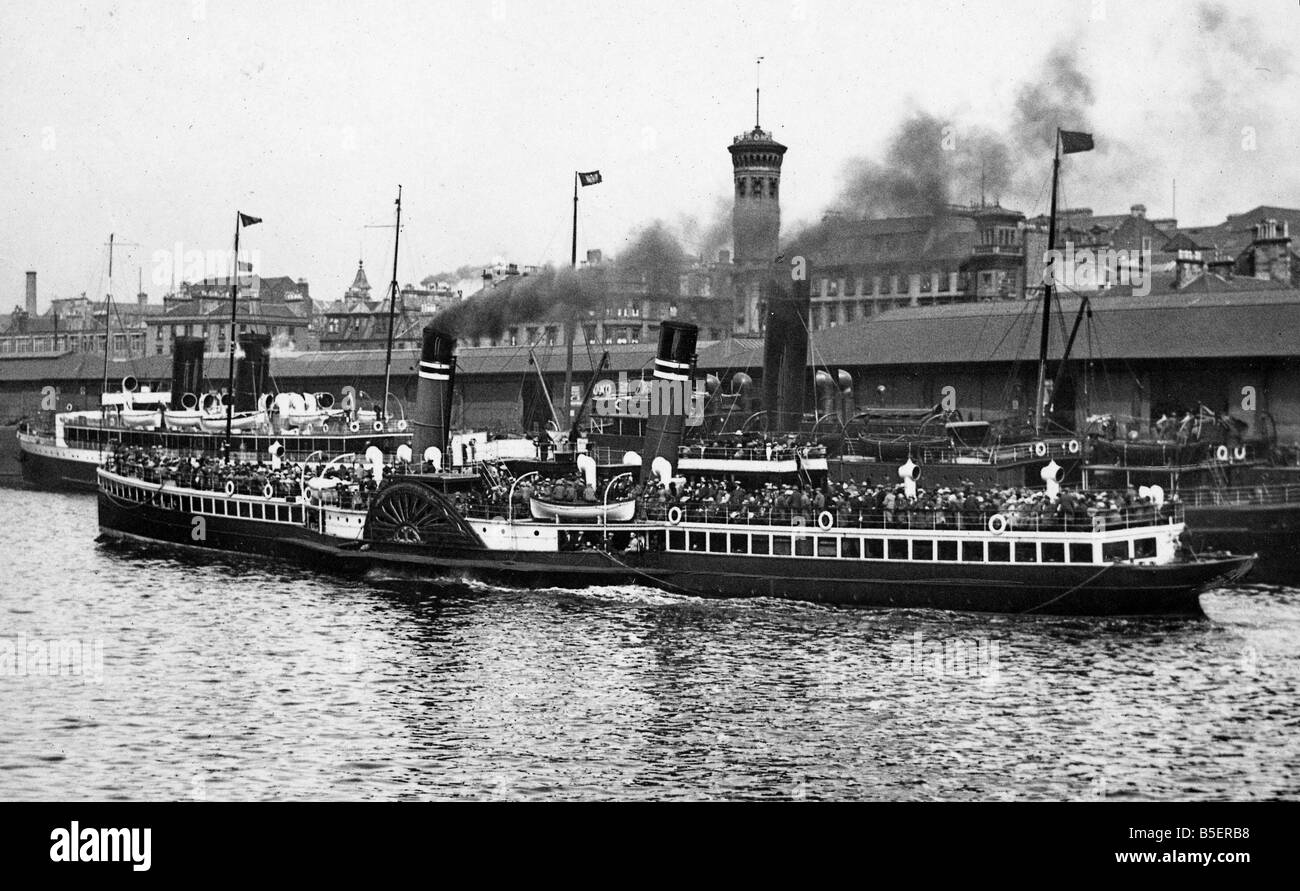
[
  {"x": 247, "y": 420},
  {"x": 183, "y": 418},
  {"x": 139, "y": 417},
  {"x": 583, "y": 511}
]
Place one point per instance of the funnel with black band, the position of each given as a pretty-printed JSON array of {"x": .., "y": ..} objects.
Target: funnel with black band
[
  {"x": 785, "y": 349},
  {"x": 437, "y": 375},
  {"x": 187, "y": 370},
  {"x": 252, "y": 371},
  {"x": 670, "y": 395}
]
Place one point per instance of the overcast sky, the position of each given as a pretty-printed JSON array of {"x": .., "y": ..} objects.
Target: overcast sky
[{"x": 156, "y": 120}]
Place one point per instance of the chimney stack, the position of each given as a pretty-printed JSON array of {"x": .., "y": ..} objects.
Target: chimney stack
[
  {"x": 1271, "y": 251},
  {"x": 432, "y": 420},
  {"x": 31, "y": 293},
  {"x": 670, "y": 395}
]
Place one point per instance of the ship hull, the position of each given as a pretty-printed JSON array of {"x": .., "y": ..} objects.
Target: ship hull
[
  {"x": 46, "y": 466},
  {"x": 1110, "y": 589},
  {"x": 1271, "y": 530},
  {"x": 1117, "y": 590}
]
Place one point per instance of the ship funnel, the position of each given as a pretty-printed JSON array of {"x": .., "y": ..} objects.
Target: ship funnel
[
  {"x": 432, "y": 417},
  {"x": 251, "y": 370},
  {"x": 1052, "y": 474},
  {"x": 909, "y": 473},
  {"x": 670, "y": 395},
  {"x": 187, "y": 371},
  {"x": 785, "y": 345}
]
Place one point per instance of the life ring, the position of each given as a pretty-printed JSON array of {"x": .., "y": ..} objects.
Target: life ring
[
  {"x": 1074, "y": 447},
  {"x": 230, "y": 487},
  {"x": 798, "y": 520},
  {"x": 69, "y": 407},
  {"x": 401, "y": 425},
  {"x": 1040, "y": 449},
  {"x": 377, "y": 426},
  {"x": 1221, "y": 453},
  {"x": 825, "y": 520},
  {"x": 268, "y": 491},
  {"x": 674, "y": 515},
  {"x": 997, "y": 524},
  {"x": 355, "y": 426},
  {"x": 1239, "y": 453}
]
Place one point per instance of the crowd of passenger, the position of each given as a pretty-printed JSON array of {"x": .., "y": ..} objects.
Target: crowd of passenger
[
  {"x": 701, "y": 498},
  {"x": 756, "y": 447},
  {"x": 352, "y": 485}
]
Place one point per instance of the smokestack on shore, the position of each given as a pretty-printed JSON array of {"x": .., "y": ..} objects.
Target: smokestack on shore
[
  {"x": 31, "y": 294},
  {"x": 785, "y": 347},
  {"x": 432, "y": 417},
  {"x": 252, "y": 371},
  {"x": 187, "y": 370},
  {"x": 670, "y": 395}
]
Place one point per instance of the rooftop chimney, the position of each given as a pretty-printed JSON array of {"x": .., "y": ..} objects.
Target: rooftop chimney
[
  {"x": 31, "y": 293},
  {"x": 1271, "y": 251},
  {"x": 724, "y": 258},
  {"x": 1138, "y": 210}
]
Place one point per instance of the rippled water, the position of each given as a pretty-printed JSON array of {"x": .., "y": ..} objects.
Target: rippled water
[{"x": 234, "y": 679}]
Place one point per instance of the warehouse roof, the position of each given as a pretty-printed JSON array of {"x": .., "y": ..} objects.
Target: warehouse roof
[{"x": 1158, "y": 326}]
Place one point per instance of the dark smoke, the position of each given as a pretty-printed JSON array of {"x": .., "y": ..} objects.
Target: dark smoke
[
  {"x": 930, "y": 164},
  {"x": 469, "y": 270},
  {"x": 523, "y": 298},
  {"x": 654, "y": 255}
]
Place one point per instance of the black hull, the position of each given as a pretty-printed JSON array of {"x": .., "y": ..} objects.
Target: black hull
[
  {"x": 1273, "y": 531},
  {"x": 1115, "y": 589},
  {"x": 57, "y": 474}
]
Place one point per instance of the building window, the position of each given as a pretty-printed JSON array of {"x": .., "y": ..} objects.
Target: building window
[
  {"x": 771, "y": 187},
  {"x": 740, "y": 187},
  {"x": 756, "y": 187}
]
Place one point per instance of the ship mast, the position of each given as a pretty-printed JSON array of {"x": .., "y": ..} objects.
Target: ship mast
[
  {"x": 108, "y": 332},
  {"x": 392, "y": 308},
  {"x": 1048, "y": 288}
]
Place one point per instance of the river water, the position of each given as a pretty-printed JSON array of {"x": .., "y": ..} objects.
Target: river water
[{"x": 148, "y": 674}]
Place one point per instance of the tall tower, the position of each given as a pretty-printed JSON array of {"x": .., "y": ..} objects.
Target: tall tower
[{"x": 755, "y": 218}]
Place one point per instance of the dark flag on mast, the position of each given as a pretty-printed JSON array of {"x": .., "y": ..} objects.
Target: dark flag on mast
[
  {"x": 589, "y": 179},
  {"x": 1073, "y": 141},
  {"x": 246, "y": 220}
]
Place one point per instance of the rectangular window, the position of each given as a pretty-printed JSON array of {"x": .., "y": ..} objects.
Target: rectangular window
[
  {"x": 244, "y": 510},
  {"x": 897, "y": 549},
  {"x": 761, "y": 544},
  {"x": 972, "y": 551},
  {"x": 873, "y": 548},
  {"x": 655, "y": 540},
  {"x": 676, "y": 540},
  {"x": 947, "y": 550},
  {"x": 922, "y": 550},
  {"x": 851, "y": 548},
  {"x": 1026, "y": 552},
  {"x": 718, "y": 543},
  {"x": 781, "y": 545},
  {"x": 826, "y": 546},
  {"x": 207, "y": 505},
  {"x": 999, "y": 552},
  {"x": 1080, "y": 553},
  {"x": 1114, "y": 550},
  {"x": 1053, "y": 552},
  {"x": 739, "y": 543},
  {"x": 803, "y": 546},
  {"x": 699, "y": 541},
  {"x": 1144, "y": 547}
]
